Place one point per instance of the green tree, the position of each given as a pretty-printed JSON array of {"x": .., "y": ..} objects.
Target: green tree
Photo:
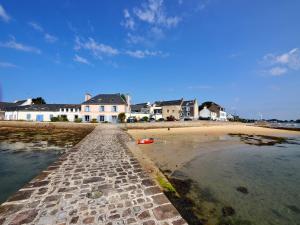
[
  {"x": 122, "y": 117},
  {"x": 38, "y": 101}
]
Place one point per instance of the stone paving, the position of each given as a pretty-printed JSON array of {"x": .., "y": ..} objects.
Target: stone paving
[{"x": 97, "y": 182}]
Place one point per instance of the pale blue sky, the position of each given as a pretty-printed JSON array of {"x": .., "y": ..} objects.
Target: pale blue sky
[{"x": 243, "y": 54}]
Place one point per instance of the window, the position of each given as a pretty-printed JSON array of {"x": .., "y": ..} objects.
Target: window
[
  {"x": 114, "y": 108},
  {"x": 87, "y": 108},
  {"x": 187, "y": 109},
  {"x": 28, "y": 116},
  {"x": 101, "y": 108},
  {"x": 173, "y": 111},
  {"x": 168, "y": 111},
  {"x": 76, "y": 117},
  {"x": 51, "y": 115},
  {"x": 114, "y": 119},
  {"x": 67, "y": 110},
  {"x": 86, "y": 118},
  {"x": 101, "y": 118}
]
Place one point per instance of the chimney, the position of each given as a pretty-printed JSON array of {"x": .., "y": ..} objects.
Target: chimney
[
  {"x": 128, "y": 100},
  {"x": 87, "y": 97}
]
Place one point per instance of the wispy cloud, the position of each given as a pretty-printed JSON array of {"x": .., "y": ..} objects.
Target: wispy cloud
[
  {"x": 3, "y": 15},
  {"x": 148, "y": 22},
  {"x": 48, "y": 37},
  {"x": 7, "y": 65},
  {"x": 19, "y": 46},
  {"x": 80, "y": 59},
  {"x": 280, "y": 64},
  {"x": 97, "y": 49},
  {"x": 142, "y": 54}
]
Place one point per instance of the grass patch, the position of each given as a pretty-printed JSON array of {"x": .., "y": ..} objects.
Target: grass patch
[{"x": 165, "y": 184}]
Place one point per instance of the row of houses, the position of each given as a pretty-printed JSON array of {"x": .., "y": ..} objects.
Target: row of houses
[{"x": 107, "y": 107}]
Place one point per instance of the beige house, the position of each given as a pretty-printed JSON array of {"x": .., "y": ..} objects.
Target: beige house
[
  {"x": 104, "y": 107},
  {"x": 171, "y": 109}
]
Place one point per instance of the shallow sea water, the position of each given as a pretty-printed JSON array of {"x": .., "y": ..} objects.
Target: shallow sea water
[
  {"x": 19, "y": 167},
  {"x": 271, "y": 175}
]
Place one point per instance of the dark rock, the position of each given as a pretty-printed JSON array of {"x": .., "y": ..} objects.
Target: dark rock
[
  {"x": 242, "y": 189},
  {"x": 228, "y": 211},
  {"x": 20, "y": 195},
  {"x": 24, "y": 217}
]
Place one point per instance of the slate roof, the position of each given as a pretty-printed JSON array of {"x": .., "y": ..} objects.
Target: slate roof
[
  {"x": 106, "y": 99},
  {"x": 188, "y": 103},
  {"x": 20, "y": 102},
  {"x": 212, "y": 106},
  {"x": 5, "y": 105},
  {"x": 43, "y": 107},
  {"x": 169, "y": 103},
  {"x": 138, "y": 107}
]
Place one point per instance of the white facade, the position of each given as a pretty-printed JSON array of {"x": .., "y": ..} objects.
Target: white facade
[
  {"x": 70, "y": 113},
  {"x": 30, "y": 115},
  {"x": 155, "y": 112},
  {"x": 222, "y": 116},
  {"x": 207, "y": 114}
]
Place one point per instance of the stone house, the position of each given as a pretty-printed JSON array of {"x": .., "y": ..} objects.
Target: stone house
[
  {"x": 171, "y": 108},
  {"x": 190, "y": 109},
  {"x": 104, "y": 107}
]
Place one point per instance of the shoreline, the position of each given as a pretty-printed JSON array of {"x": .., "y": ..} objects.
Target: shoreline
[{"x": 182, "y": 185}]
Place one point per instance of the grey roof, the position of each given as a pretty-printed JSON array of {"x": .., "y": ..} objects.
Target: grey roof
[
  {"x": 20, "y": 102},
  {"x": 43, "y": 107},
  {"x": 106, "y": 99},
  {"x": 212, "y": 106},
  {"x": 169, "y": 103},
  {"x": 188, "y": 103},
  {"x": 138, "y": 107},
  {"x": 5, "y": 105}
]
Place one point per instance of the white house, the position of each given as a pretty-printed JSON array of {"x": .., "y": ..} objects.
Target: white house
[
  {"x": 212, "y": 111},
  {"x": 43, "y": 112}
]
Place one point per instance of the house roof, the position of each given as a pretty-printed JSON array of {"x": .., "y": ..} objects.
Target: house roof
[
  {"x": 188, "y": 103},
  {"x": 139, "y": 106},
  {"x": 5, "y": 105},
  {"x": 20, "y": 102},
  {"x": 106, "y": 99},
  {"x": 212, "y": 106},
  {"x": 43, "y": 107},
  {"x": 169, "y": 103}
]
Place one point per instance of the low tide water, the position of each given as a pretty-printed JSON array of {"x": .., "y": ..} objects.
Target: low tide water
[
  {"x": 234, "y": 182},
  {"x": 19, "y": 167}
]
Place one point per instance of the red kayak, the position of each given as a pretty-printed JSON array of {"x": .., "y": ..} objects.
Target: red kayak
[{"x": 145, "y": 141}]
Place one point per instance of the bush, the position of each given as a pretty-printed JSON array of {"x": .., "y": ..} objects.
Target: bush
[
  {"x": 171, "y": 118},
  {"x": 78, "y": 120},
  {"x": 145, "y": 118},
  {"x": 94, "y": 121},
  {"x": 121, "y": 117},
  {"x": 62, "y": 118},
  {"x": 161, "y": 119}
]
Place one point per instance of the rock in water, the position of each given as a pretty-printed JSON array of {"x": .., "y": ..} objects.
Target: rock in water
[
  {"x": 243, "y": 190},
  {"x": 228, "y": 211}
]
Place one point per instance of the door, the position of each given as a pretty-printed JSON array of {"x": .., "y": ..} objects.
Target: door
[{"x": 40, "y": 118}]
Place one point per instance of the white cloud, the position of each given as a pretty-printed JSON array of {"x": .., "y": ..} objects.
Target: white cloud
[
  {"x": 142, "y": 54},
  {"x": 36, "y": 26},
  {"x": 153, "y": 12},
  {"x": 128, "y": 20},
  {"x": 7, "y": 65},
  {"x": 97, "y": 49},
  {"x": 19, "y": 46},
  {"x": 278, "y": 71},
  {"x": 80, "y": 59},
  {"x": 3, "y": 15},
  {"x": 48, "y": 37},
  {"x": 283, "y": 63}
]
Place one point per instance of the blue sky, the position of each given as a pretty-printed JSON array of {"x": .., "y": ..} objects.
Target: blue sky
[{"x": 245, "y": 55}]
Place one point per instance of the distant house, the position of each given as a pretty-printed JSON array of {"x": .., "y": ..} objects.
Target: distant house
[
  {"x": 190, "y": 109},
  {"x": 212, "y": 111},
  {"x": 139, "y": 111},
  {"x": 171, "y": 108},
  {"x": 104, "y": 107},
  {"x": 4, "y": 106},
  {"x": 42, "y": 112}
]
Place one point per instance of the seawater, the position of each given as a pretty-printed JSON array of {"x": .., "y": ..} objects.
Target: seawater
[
  {"x": 18, "y": 167},
  {"x": 271, "y": 175}
]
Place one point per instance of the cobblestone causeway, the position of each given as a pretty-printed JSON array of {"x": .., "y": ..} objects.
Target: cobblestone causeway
[{"x": 97, "y": 182}]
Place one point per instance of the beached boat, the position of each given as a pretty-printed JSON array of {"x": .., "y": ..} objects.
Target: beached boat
[{"x": 145, "y": 141}]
